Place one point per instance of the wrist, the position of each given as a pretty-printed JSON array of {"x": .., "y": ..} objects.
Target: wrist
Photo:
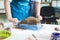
[
  {"x": 37, "y": 16},
  {"x": 10, "y": 19}
]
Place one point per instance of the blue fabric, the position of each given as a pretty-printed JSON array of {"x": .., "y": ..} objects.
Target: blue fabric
[
  {"x": 20, "y": 9},
  {"x": 30, "y": 27}
]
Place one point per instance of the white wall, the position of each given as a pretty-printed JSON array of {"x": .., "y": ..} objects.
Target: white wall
[
  {"x": 1, "y": 4},
  {"x": 56, "y": 3}
]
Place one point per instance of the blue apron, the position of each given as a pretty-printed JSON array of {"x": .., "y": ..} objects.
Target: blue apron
[{"x": 20, "y": 9}]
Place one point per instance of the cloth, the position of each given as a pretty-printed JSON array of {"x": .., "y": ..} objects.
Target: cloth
[
  {"x": 31, "y": 0},
  {"x": 20, "y": 9}
]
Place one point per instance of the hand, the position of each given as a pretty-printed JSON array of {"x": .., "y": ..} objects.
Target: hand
[
  {"x": 14, "y": 20},
  {"x": 39, "y": 17}
]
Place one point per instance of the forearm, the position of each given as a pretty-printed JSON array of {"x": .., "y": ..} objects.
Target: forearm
[
  {"x": 37, "y": 6},
  {"x": 7, "y": 9}
]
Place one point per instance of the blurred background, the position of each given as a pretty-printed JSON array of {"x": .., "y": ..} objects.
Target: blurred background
[{"x": 53, "y": 3}]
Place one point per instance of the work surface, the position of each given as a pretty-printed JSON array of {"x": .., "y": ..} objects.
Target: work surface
[{"x": 43, "y": 34}]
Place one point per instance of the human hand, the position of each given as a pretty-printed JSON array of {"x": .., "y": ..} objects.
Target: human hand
[
  {"x": 39, "y": 17},
  {"x": 14, "y": 20}
]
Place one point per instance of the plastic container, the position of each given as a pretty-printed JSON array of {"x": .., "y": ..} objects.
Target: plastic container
[
  {"x": 30, "y": 27},
  {"x": 55, "y": 36}
]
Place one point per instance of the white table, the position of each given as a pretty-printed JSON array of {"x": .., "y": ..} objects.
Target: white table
[{"x": 43, "y": 34}]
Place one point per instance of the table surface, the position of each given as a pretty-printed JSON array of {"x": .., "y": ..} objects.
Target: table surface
[{"x": 43, "y": 34}]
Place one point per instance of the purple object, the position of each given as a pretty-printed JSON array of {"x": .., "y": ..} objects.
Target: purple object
[{"x": 55, "y": 36}]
